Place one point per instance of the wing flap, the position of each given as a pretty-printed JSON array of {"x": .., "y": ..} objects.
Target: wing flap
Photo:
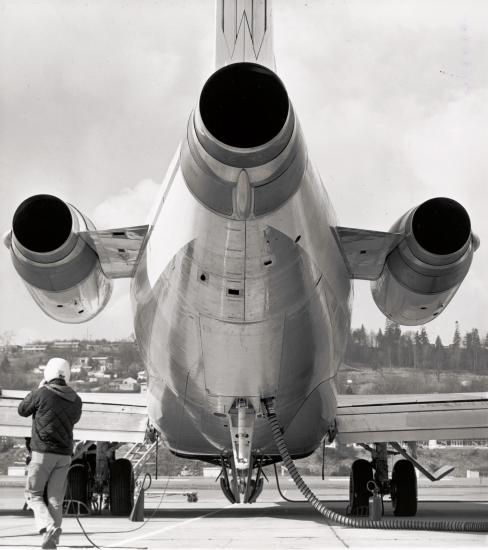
[
  {"x": 383, "y": 418},
  {"x": 366, "y": 251},
  {"x": 105, "y": 417},
  {"x": 118, "y": 249}
]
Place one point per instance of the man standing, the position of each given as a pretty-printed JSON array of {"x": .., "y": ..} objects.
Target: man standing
[{"x": 55, "y": 408}]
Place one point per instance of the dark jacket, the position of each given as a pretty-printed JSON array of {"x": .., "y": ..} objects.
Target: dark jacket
[{"x": 55, "y": 408}]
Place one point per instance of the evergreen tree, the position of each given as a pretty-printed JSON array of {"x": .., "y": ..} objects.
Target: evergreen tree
[
  {"x": 5, "y": 366},
  {"x": 417, "y": 350},
  {"x": 406, "y": 350},
  {"x": 439, "y": 357},
  {"x": 477, "y": 349},
  {"x": 374, "y": 343},
  {"x": 455, "y": 357},
  {"x": 424, "y": 337},
  {"x": 484, "y": 356},
  {"x": 391, "y": 342},
  {"x": 472, "y": 350},
  {"x": 421, "y": 349},
  {"x": 363, "y": 337},
  {"x": 379, "y": 338},
  {"x": 456, "y": 339},
  {"x": 392, "y": 348}
]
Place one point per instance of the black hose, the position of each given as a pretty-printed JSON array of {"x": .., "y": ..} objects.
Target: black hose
[
  {"x": 362, "y": 523},
  {"x": 278, "y": 486}
]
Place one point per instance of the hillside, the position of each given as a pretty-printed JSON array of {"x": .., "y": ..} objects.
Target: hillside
[
  {"x": 366, "y": 380},
  {"x": 359, "y": 379}
]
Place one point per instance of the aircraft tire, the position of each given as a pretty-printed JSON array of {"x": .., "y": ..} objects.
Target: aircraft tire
[
  {"x": 77, "y": 489},
  {"x": 404, "y": 488},
  {"x": 361, "y": 473},
  {"x": 121, "y": 487}
]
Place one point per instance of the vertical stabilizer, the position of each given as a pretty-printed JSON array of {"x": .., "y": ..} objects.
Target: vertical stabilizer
[{"x": 244, "y": 33}]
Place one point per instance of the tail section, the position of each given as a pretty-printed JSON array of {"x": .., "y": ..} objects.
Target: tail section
[{"x": 244, "y": 33}]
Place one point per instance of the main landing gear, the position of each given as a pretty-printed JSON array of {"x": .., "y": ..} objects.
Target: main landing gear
[
  {"x": 402, "y": 486},
  {"x": 98, "y": 481}
]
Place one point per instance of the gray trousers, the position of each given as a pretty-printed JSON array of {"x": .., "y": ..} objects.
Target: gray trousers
[{"x": 51, "y": 470}]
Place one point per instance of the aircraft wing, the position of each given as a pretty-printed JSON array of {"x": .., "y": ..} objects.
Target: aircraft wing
[
  {"x": 118, "y": 417},
  {"x": 383, "y": 418},
  {"x": 365, "y": 251},
  {"x": 118, "y": 249}
]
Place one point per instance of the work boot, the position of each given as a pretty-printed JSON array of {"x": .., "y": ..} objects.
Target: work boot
[
  {"x": 57, "y": 535},
  {"x": 50, "y": 537}
]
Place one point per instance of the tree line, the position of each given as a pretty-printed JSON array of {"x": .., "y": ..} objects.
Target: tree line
[{"x": 393, "y": 348}]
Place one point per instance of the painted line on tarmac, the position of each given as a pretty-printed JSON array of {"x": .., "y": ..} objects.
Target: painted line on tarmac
[{"x": 168, "y": 528}]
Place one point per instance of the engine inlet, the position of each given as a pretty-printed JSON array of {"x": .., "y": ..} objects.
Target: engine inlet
[
  {"x": 42, "y": 223},
  {"x": 441, "y": 226}
]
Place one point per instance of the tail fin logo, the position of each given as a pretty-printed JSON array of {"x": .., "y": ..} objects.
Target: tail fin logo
[{"x": 244, "y": 32}]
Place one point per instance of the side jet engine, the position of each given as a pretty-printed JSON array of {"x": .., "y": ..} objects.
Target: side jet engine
[
  {"x": 59, "y": 268},
  {"x": 424, "y": 271}
]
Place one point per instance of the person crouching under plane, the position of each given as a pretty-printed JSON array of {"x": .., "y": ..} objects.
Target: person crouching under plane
[{"x": 55, "y": 409}]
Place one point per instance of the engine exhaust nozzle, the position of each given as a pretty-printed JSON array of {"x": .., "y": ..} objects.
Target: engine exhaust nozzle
[{"x": 244, "y": 105}]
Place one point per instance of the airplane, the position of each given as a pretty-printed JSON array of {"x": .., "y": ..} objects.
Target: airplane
[{"x": 241, "y": 294}]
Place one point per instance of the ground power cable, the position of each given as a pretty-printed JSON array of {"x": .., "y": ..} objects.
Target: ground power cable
[
  {"x": 361, "y": 523},
  {"x": 278, "y": 486}
]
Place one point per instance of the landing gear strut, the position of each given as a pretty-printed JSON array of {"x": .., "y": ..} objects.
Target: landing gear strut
[{"x": 241, "y": 486}]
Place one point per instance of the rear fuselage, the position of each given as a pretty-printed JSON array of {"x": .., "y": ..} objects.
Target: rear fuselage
[{"x": 242, "y": 292}]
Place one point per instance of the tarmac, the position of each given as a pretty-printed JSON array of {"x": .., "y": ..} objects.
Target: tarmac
[{"x": 271, "y": 523}]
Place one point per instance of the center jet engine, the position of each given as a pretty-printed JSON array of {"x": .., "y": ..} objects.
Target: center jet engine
[{"x": 244, "y": 154}]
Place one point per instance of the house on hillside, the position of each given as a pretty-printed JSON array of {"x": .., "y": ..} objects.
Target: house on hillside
[
  {"x": 35, "y": 347},
  {"x": 141, "y": 376},
  {"x": 104, "y": 362},
  {"x": 103, "y": 347},
  {"x": 114, "y": 384},
  {"x": 82, "y": 362},
  {"x": 10, "y": 349},
  {"x": 128, "y": 384},
  {"x": 65, "y": 345}
]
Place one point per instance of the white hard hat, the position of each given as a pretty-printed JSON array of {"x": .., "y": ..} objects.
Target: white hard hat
[{"x": 57, "y": 368}]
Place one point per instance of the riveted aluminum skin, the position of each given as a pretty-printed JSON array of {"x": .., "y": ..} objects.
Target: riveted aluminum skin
[{"x": 241, "y": 301}]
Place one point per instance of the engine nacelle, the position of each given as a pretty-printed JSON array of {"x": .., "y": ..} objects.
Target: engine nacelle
[
  {"x": 60, "y": 270},
  {"x": 422, "y": 274}
]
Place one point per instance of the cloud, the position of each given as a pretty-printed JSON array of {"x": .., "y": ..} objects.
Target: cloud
[
  {"x": 129, "y": 207},
  {"x": 448, "y": 148},
  {"x": 392, "y": 97}
]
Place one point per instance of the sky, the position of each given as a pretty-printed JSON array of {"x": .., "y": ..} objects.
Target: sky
[{"x": 392, "y": 96}]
